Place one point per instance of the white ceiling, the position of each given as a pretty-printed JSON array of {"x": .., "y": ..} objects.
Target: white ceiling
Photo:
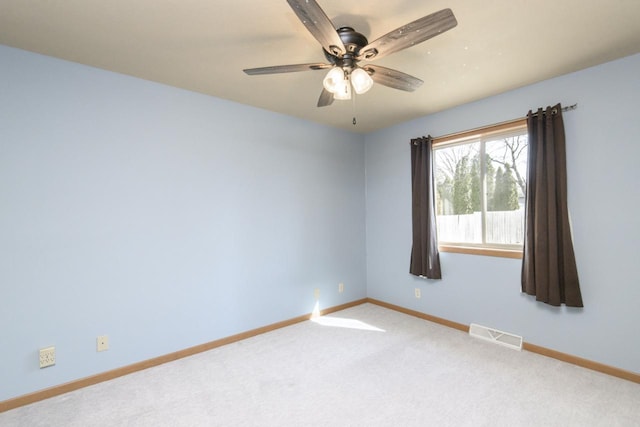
[{"x": 203, "y": 46}]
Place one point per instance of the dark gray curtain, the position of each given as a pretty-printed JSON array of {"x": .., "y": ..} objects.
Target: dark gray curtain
[
  {"x": 425, "y": 259},
  {"x": 548, "y": 266}
]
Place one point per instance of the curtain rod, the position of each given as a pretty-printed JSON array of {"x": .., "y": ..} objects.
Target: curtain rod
[
  {"x": 564, "y": 109},
  {"x": 498, "y": 125}
]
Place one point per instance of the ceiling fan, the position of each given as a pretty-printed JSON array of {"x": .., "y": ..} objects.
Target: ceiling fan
[{"x": 344, "y": 48}]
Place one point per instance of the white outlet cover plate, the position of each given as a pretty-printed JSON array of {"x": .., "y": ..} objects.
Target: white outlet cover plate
[
  {"x": 103, "y": 343},
  {"x": 47, "y": 357}
]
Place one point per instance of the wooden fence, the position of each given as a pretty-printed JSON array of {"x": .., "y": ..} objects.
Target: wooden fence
[{"x": 502, "y": 227}]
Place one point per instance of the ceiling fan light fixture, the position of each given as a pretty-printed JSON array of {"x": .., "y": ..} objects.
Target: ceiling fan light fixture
[
  {"x": 361, "y": 81},
  {"x": 334, "y": 80},
  {"x": 343, "y": 91},
  {"x": 344, "y": 48}
]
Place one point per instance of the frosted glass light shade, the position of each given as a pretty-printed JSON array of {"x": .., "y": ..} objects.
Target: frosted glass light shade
[
  {"x": 343, "y": 91},
  {"x": 334, "y": 80},
  {"x": 361, "y": 81}
]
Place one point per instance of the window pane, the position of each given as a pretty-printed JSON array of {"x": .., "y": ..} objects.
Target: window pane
[
  {"x": 506, "y": 172},
  {"x": 482, "y": 202},
  {"x": 458, "y": 202}
]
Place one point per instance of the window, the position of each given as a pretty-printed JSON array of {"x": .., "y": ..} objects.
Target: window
[{"x": 480, "y": 187}]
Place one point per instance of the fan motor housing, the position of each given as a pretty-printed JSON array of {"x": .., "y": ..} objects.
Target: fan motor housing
[{"x": 353, "y": 41}]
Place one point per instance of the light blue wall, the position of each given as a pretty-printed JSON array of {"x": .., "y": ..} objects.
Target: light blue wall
[
  {"x": 603, "y": 175},
  {"x": 160, "y": 217},
  {"x": 166, "y": 219}
]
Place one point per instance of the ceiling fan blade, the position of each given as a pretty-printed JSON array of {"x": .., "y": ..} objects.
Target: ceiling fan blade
[
  {"x": 409, "y": 35},
  {"x": 286, "y": 68},
  {"x": 326, "y": 98},
  {"x": 393, "y": 78},
  {"x": 318, "y": 24}
]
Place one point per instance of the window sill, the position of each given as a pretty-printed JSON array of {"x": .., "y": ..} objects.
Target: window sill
[{"x": 502, "y": 253}]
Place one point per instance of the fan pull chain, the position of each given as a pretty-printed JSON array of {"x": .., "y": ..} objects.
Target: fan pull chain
[{"x": 353, "y": 97}]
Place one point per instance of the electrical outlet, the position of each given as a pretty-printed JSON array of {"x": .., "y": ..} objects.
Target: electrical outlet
[
  {"x": 102, "y": 343},
  {"x": 316, "y": 293},
  {"x": 417, "y": 292},
  {"x": 341, "y": 287},
  {"x": 47, "y": 357}
]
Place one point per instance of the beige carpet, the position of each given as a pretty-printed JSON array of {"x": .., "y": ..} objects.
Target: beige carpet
[{"x": 364, "y": 366}]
